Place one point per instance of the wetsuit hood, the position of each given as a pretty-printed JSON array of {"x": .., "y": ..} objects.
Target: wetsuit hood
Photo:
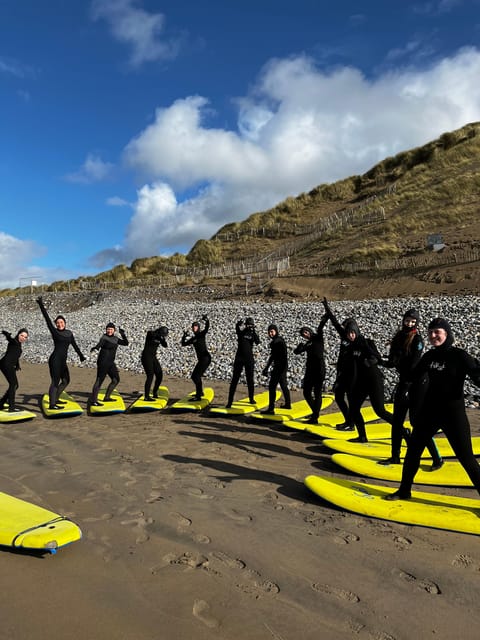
[
  {"x": 110, "y": 325},
  {"x": 273, "y": 327},
  {"x": 60, "y": 317},
  {"x": 163, "y": 331},
  {"x": 303, "y": 330},
  {"x": 412, "y": 313},
  {"x": 441, "y": 323},
  {"x": 21, "y": 331},
  {"x": 351, "y": 325},
  {"x": 249, "y": 322}
]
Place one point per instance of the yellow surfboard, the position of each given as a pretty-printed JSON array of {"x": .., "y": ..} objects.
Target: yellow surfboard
[
  {"x": 115, "y": 405},
  {"x": 452, "y": 513},
  {"x": 382, "y": 449},
  {"x": 7, "y": 417},
  {"x": 26, "y": 526},
  {"x": 375, "y": 430},
  {"x": 156, "y": 404},
  {"x": 243, "y": 406},
  {"x": 327, "y": 422},
  {"x": 451, "y": 474},
  {"x": 188, "y": 403},
  {"x": 299, "y": 409},
  {"x": 69, "y": 409}
]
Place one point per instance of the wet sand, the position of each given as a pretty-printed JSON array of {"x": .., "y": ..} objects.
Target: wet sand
[{"x": 201, "y": 527}]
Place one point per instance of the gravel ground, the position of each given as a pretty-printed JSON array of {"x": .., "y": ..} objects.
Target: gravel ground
[{"x": 136, "y": 312}]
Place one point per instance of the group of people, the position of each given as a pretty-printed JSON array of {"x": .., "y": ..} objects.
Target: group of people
[{"x": 430, "y": 384}]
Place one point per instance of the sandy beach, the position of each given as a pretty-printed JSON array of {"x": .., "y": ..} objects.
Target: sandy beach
[{"x": 200, "y": 527}]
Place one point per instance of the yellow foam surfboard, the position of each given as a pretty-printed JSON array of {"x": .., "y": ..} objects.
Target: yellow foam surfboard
[
  {"x": 452, "y": 513},
  {"x": 115, "y": 405},
  {"x": 69, "y": 409},
  {"x": 376, "y": 430},
  {"x": 156, "y": 404},
  {"x": 26, "y": 526},
  {"x": 21, "y": 415},
  {"x": 299, "y": 409},
  {"x": 188, "y": 403},
  {"x": 327, "y": 422},
  {"x": 243, "y": 406},
  {"x": 451, "y": 474},
  {"x": 382, "y": 449}
]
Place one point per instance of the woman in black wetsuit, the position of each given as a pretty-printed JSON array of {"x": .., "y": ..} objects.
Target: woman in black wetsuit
[
  {"x": 107, "y": 350},
  {"x": 198, "y": 340},
  {"x": 314, "y": 367},
  {"x": 362, "y": 376},
  {"x": 443, "y": 405},
  {"x": 150, "y": 362},
  {"x": 278, "y": 375},
  {"x": 405, "y": 352},
  {"x": 10, "y": 364},
  {"x": 57, "y": 363},
  {"x": 246, "y": 337}
]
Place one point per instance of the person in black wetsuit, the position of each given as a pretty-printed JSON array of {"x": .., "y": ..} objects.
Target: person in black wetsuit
[
  {"x": 443, "y": 405},
  {"x": 405, "y": 352},
  {"x": 362, "y": 375},
  {"x": 314, "y": 367},
  {"x": 278, "y": 375},
  {"x": 57, "y": 363},
  {"x": 198, "y": 340},
  {"x": 10, "y": 364},
  {"x": 246, "y": 337},
  {"x": 150, "y": 363},
  {"x": 107, "y": 350}
]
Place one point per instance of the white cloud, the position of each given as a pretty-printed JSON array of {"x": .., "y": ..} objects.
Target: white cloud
[
  {"x": 116, "y": 201},
  {"x": 15, "y": 260},
  {"x": 298, "y": 128},
  {"x": 94, "y": 169},
  {"x": 141, "y": 30}
]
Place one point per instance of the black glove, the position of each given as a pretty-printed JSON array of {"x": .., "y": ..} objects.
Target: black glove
[
  {"x": 7, "y": 334},
  {"x": 39, "y": 299},
  {"x": 82, "y": 359},
  {"x": 204, "y": 317}
]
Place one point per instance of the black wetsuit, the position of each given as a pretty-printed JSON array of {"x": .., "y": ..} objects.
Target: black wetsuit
[
  {"x": 278, "y": 375},
  {"x": 57, "y": 363},
  {"x": 150, "y": 361},
  {"x": 107, "y": 348},
  {"x": 404, "y": 359},
  {"x": 362, "y": 377},
  {"x": 198, "y": 340},
  {"x": 314, "y": 368},
  {"x": 9, "y": 365},
  {"x": 246, "y": 337},
  {"x": 443, "y": 407},
  {"x": 340, "y": 386}
]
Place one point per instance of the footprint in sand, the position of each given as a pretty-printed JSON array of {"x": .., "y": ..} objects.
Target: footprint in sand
[
  {"x": 187, "y": 559},
  {"x": 341, "y": 594},
  {"x": 181, "y": 521},
  {"x": 201, "y": 611},
  {"x": 344, "y": 537},
  {"x": 401, "y": 542},
  {"x": 462, "y": 560},
  {"x": 198, "y": 493},
  {"x": 140, "y": 525},
  {"x": 238, "y": 517},
  {"x": 424, "y": 585},
  {"x": 232, "y": 563}
]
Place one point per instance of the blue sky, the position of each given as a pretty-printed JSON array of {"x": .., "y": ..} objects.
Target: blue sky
[{"x": 131, "y": 128}]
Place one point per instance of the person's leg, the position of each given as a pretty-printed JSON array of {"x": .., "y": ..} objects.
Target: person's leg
[
  {"x": 158, "y": 371},
  {"x": 422, "y": 433},
  {"x": 376, "y": 393},
  {"x": 285, "y": 390},
  {"x": 114, "y": 380},
  {"x": 355, "y": 400},
  {"x": 237, "y": 370},
  {"x": 249, "y": 376},
  {"x": 457, "y": 430}
]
